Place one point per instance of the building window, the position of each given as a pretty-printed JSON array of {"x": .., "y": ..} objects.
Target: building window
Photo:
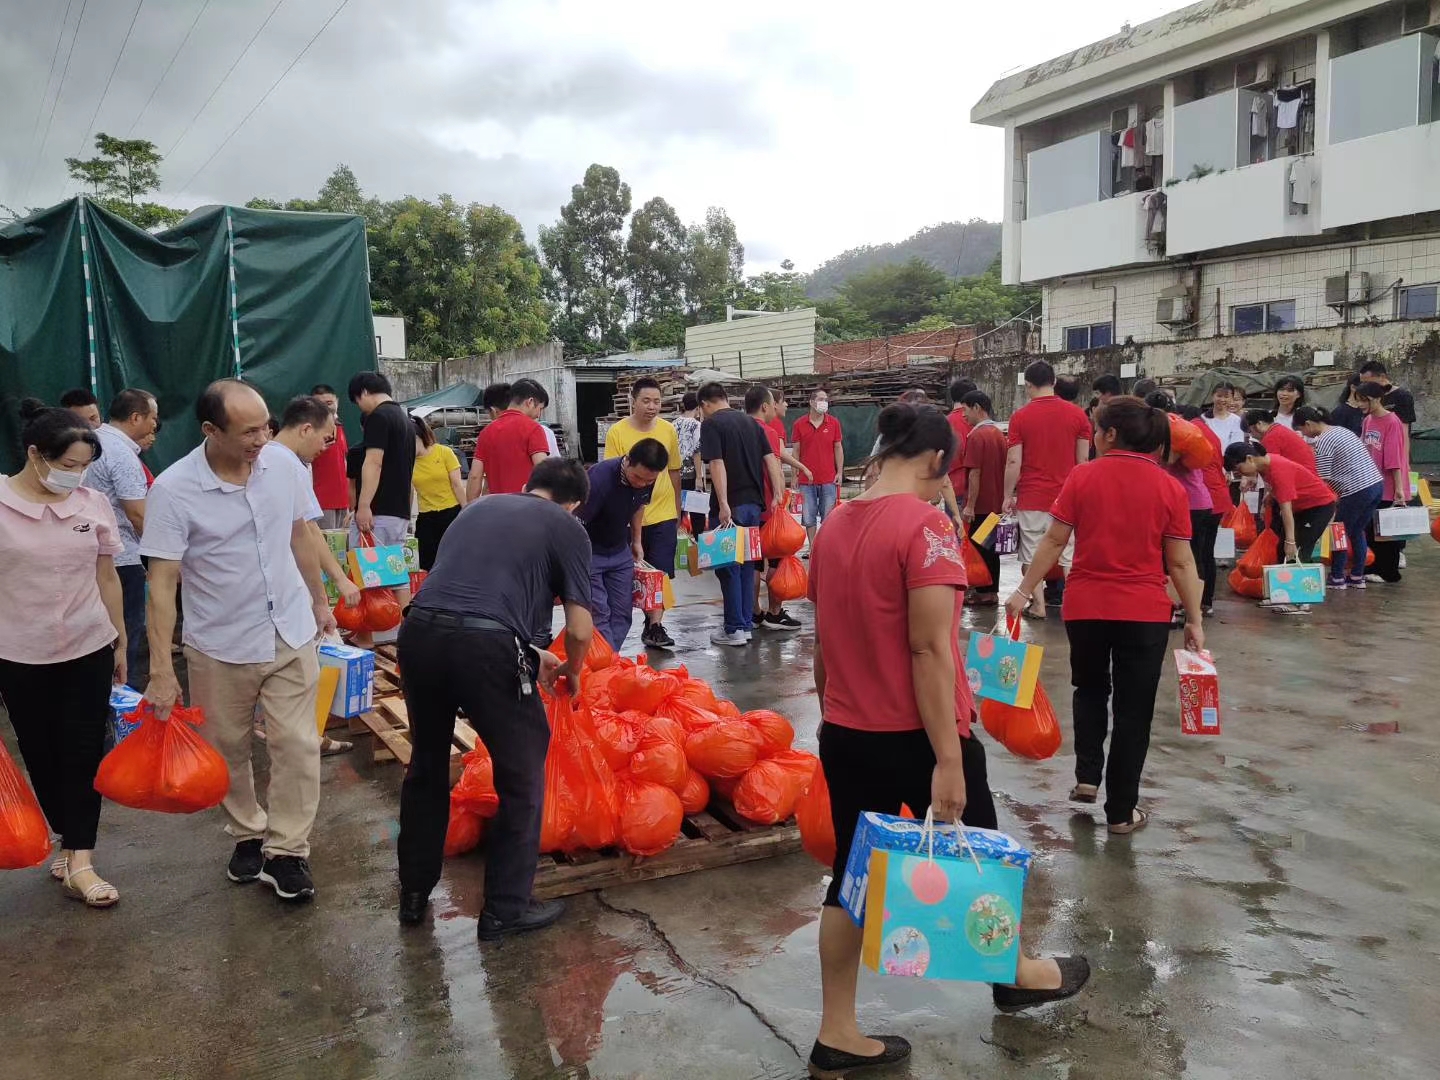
[
  {"x": 1263, "y": 318},
  {"x": 1078, "y": 338},
  {"x": 1415, "y": 302}
]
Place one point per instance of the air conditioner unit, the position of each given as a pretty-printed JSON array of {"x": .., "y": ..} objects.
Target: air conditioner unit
[
  {"x": 1420, "y": 15},
  {"x": 1173, "y": 310},
  {"x": 1260, "y": 72},
  {"x": 1348, "y": 289}
]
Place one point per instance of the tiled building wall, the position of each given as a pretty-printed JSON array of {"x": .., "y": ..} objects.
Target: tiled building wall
[{"x": 1296, "y": 274}]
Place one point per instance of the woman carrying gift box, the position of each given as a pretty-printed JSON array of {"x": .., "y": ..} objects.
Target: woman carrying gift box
[
  {"x": 887, "y": 578},
  {"x": 1301, "y": 504},
  {"x": 1130, "y": 520}
]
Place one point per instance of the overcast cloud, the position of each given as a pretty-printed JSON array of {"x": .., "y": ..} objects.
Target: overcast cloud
[{"x": 819, "y": 126}]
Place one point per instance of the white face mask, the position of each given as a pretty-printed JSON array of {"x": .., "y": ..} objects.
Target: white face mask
[
  {"x": 822, "y": 406},
  {"x": 60, "y": 482}
]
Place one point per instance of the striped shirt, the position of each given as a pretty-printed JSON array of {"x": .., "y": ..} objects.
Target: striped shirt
[{"x": 1343, "y": 460}]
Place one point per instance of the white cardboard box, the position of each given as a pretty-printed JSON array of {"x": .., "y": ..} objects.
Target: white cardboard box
[{"x": 355, "y": 692}]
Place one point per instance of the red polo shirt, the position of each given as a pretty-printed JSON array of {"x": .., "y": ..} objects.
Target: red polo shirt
[
  {"x": 1281, "y": 441},
  {"x": 506, "y": 447},
  {"x": 777, "y": 425},
  {"x": 332, "y": 490},
  {"x": 1297, "y": 485},
  {"x": 1123, "y": 507},
  {"x": 959, "y": 476},
  {"x": 815, "y": 446},
  {"x": 776, "y": 445},
  {"x": 1048, "y": 428}
]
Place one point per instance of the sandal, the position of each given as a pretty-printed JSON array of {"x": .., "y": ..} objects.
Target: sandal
[
  {"x": 60, "y": 867},
  {"x": 1084, "y": 793},
  {"x": 330, "y": 747},
  {"x": 1030, "y": 613},
  {"x": 99, "y": 895},
  {"x": 1137, "y": 821}
]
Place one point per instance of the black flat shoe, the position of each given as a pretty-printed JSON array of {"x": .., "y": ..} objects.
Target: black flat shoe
[
  {"x": 1074, "y": 974},
  {"x": 540, "y": 914},
  {"x": 829, "y": 1064},
  {"x": 412, "y": 907}
]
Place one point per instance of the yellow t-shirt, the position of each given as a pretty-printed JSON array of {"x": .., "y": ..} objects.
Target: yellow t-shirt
[
  {"x": 432, "y": 478},
  {"x": 618, "y": 441}
]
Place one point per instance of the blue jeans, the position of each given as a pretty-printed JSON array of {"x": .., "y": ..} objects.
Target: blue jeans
[
  {"x": 132, "y": 594},
  {"x": 1354, "y": 512},
  {"x": 817, "y": 500},
  {"x": 612, "y": 594},
  {"x": 737, "y": 583}
]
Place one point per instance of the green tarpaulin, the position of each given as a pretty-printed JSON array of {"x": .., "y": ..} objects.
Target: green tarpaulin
[
  {"x": 460, "y": 396},
  {"x": 280, "y": 299}
]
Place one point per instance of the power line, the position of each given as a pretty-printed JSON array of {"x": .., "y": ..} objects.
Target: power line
[
  {"x": 225, "y": 78},
  {"x": 54, "y": 59},
  {"x": 175, "y": 56},
  {"x": 85, "y": 135},
  {"x": 264, "y": 97},
  {"x": 58, "y": 90}
]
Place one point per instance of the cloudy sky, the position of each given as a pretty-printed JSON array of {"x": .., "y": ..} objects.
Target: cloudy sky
[{"x": 819, "y": 126}]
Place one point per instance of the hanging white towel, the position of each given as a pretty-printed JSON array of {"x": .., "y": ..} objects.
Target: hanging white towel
[
  {"x": 1155, "y": 136},
  {"x": 1302, "y": 177},
  {"x": 1287, "y": 113},
  {"x": 1259, "y": 116}
]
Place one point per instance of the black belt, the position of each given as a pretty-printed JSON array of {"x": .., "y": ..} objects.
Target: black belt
[{"x": 458, "y": 622}]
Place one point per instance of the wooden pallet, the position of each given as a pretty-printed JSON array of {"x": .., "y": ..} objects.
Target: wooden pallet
[{"x": 717, "y": 837}]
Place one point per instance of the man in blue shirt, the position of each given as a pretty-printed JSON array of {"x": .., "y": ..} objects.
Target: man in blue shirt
[{"x": 613, "y": 516}]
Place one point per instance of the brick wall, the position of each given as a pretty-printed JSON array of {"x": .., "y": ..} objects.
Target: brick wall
[{"x": 954, "y": 343}]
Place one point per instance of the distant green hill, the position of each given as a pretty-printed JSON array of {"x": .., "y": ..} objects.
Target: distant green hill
[{"x": 957, "y": 248}]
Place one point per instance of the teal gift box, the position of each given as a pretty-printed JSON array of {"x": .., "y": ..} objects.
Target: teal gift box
[
  {"x": 721, "y": 547},
  {"x": 1295, "y": 583},
  {"x": 1003, "y": 669},
  {"x": 936, "y": 902}
]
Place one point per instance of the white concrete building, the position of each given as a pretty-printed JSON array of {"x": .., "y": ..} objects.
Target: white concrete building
[{"x": 1292, "y": 146}]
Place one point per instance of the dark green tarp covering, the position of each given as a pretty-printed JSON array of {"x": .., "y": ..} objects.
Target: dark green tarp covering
[
  {"x": 460, "y": 396},
  {"x": 163, "y": 314}
]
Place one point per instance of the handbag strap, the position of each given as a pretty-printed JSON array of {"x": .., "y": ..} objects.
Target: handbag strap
[
  {"x": 928, "y": 838},
  {"x": 367, "y": 538}
]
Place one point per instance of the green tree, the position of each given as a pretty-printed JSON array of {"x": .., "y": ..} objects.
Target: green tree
[
  {"x": 891, "y": 297},
  {"x": 982, "y": 299},
  {"x": 122, "y": 173},
  {"x": 586, "y": 258},
  {"x": 837, "y": 320},
  {"x": 656, "y": 253},
  {"x": 714, "y": 269}
]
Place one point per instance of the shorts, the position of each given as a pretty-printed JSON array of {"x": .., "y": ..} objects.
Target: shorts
[
  {"x": 387, "y": 531},
  {"x": 1034, "y": 524},
  {"x": 333, "y": 519},
  {"x": 659, "y": 541},
  {"x": 817, "y": 500},
  {"x": 880, "y": 770}
]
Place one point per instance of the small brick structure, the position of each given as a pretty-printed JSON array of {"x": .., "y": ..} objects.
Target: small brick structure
[{"x": 950, "y": 345}]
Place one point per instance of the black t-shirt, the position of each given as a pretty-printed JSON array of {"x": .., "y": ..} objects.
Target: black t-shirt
[
  {"x": 1402, "y": 403},
  {"x": 738, "y": 440},
  {"x": 389, "y": 428},
  {"x": 507, "y": 557}
]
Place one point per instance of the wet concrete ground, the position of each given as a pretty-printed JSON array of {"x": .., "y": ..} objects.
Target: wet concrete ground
[{"x": 1278, "y": 919}]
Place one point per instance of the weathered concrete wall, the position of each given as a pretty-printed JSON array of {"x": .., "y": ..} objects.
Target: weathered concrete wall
[
  {"x": 544, "y": 363},
  {"x": 411, "y": 378}
]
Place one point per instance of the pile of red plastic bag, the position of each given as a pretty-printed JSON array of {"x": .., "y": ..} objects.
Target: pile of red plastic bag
[{"x": 637, "y": 751}]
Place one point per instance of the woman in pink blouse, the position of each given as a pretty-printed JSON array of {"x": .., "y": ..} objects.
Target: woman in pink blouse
[
  {"x": 62, "y": 643},
  {"x": 1389, "y": 444}
]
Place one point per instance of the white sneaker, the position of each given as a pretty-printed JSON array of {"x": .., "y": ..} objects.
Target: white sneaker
[
  {"x": 1402, "y": 560},
  {"x": 749, "y": 636},
  {"x": 1289, "y": 609},
  {"x": 1375, "y": 579},
  {"x": 735, "y": 638}
]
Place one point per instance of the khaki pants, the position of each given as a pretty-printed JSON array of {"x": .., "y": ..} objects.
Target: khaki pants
[{"x": 285, "y": 690}]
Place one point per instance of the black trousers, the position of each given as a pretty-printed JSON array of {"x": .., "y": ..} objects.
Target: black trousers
[
  {"x": 1115, "y": 669},
  {"x": 59, "y": 712},
  {"x": 132, "y": 591},
  {"x": 479, "y": 671},
  {"x": 1204, "y": 524},
  {"x": 430, "y": 526},
  {"x": 1309, "y": 524},
  {"x": 991, "y": 559},
  {"x": 880, "y": 770}
]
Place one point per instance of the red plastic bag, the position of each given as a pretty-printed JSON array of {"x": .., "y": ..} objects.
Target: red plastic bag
[
  {"x": 650, "y": 817},
  {"x": 464, "y": 831},
  {"x": 598, "y": 656},
  {"x": 595, "y": 687},
  {"x": 781, "y": 536},
  {"x": 350, "y": 618},
  {"x": 1251, "y": 587},
  {"x": 812, "y": 814},
  {"x": 1189, "y": 444},
  {"x": 557, "y": 818},
  {"x": 724, "y": 786},
  {"x": 642, "y": 688},
  {"x": 687, "y": 714},
  {"x": 789, "y": 581},
  {"x": 164, "y": 766},
  {"x": 773, "y": 728},
  {"x": 699, "y": 694},
  {"x": 1032, "y": 733},
  {"x": 591, "y": 780},
  {"x": 1243, "y": 522},
  {"x": 977, "y": 574},
  {"x": 1434, "y": 531},
  {"x": 726, "y": 749},
  {"x": 617, "y": 737},
  {"x": 728, "y": 710},
  {"x": 24, "y": 836},
  {"x": 659, "y": 761},
  {"x": 475, "y": 790},
  {"x": 768, "y": 792},
  {"x": 695, "y": 795},
  {"x": 1265, "y": 551},
  {"x": 379, "y": 609}
]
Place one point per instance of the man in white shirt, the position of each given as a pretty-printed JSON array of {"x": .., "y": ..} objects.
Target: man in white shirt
[
  {"x": 234, "y": 524},
  {"x": 118, "y": 475}
]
